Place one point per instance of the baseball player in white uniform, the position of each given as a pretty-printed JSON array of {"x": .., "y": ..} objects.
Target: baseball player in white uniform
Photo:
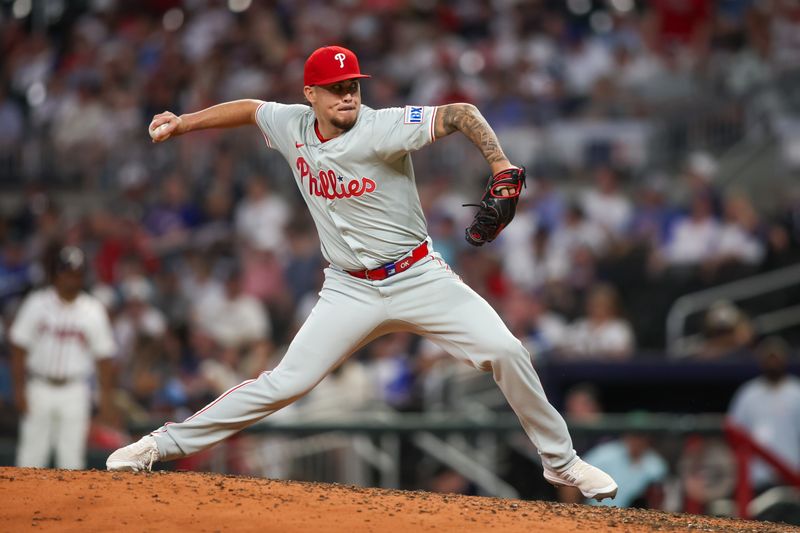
[
  {"x": 353, "y": 167},
  {"x": 59, "y": 337}
]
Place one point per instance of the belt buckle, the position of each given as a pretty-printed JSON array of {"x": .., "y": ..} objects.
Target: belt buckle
[{"x": 391, "y": 269}]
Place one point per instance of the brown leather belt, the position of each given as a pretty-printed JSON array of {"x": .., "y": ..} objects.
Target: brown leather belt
[
  {"x": 57, "y": 382},
  {"x": 390, "y": 269}
]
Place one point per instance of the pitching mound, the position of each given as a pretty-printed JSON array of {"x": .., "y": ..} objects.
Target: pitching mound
[{"x": 62, "y": 500}]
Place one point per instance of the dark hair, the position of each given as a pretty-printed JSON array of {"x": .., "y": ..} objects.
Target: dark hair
[
  {"x": 584, "y": 387},
  {"x": 575, "y": 209}
]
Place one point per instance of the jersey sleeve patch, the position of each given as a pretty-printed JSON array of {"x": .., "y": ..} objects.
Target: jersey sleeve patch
[{"x": 414, "y": 114}]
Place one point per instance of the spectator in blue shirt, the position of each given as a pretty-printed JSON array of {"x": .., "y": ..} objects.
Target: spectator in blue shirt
[{"x": 638, "y": 468}]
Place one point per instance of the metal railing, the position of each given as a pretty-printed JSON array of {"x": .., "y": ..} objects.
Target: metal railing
[
  {"x": 757, "y": 285},
  {"x": 466, "y": 444}
]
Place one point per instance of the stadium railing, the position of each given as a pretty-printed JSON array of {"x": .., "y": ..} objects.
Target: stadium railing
[
  {"x": 745, "y": 449},
  {"x": 753, "y": 286}
]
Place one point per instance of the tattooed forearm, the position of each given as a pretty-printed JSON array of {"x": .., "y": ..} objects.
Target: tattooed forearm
[{"x": 468, "y": 120}]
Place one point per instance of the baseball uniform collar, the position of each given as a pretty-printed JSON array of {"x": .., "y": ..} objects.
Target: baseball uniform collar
[{"x": 319, "y": 133}]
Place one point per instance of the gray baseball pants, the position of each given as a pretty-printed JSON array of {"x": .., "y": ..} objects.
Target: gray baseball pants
[{"x": 427, "y": 299}]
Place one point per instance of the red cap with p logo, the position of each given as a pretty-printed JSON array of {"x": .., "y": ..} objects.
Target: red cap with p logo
[{"x": 330, "y": 64}]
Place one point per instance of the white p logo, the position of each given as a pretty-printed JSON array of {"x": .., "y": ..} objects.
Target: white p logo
[{"x": 340, "y": 58}]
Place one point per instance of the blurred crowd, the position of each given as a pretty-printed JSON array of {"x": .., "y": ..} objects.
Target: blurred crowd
[{"x": 203, "y": 252}]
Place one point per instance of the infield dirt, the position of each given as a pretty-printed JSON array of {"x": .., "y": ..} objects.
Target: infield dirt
[{"x": 62, "y": 500}]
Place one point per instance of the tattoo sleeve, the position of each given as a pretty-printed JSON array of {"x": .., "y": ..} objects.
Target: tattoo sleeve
[{"x": 468, "y": 120}]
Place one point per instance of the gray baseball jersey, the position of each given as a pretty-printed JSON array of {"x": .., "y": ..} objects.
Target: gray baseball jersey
[
  {"x": 359, "y": 187},
  {"x": 361, "y": 193}
]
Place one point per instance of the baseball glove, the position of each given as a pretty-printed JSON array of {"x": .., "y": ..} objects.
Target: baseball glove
[{"x": 496, "y": 211}]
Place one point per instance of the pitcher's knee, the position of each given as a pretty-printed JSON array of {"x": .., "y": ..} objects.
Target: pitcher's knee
[
  {"x": 507, "y": 350},
  {"x": 283, "y": 389},
  {"x": 512, "y": 350}
]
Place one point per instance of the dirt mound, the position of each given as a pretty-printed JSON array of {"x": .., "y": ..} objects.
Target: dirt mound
[{"x": 62, "y": 500}]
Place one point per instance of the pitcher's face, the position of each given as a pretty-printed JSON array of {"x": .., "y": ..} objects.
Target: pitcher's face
[{"x": 337, "y": 103}]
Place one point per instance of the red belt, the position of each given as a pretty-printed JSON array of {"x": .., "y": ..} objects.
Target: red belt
[{"x": 390, "y": 269}]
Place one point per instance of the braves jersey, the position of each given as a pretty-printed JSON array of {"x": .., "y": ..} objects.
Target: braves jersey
[
  {"x": 62, "y": 339},
  {"x": 359, "y": 187}
]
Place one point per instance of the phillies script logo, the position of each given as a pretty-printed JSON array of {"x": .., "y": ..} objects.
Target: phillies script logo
[{"x": 328, "y": 185}]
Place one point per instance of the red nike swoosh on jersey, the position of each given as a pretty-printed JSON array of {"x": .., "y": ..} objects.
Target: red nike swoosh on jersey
[{"x": 298, "y": 145}]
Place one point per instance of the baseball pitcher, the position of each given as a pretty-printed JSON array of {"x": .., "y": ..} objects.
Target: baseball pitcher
[{"x": 352, "y": 165}]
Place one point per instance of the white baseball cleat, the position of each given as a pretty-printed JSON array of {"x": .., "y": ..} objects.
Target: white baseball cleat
[
  {"x": 134, "y": 457},
  {"x": 590, "y": 480}
]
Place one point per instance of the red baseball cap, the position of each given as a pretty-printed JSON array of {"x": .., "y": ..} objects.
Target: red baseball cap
[{"x": 330, "y": 64}]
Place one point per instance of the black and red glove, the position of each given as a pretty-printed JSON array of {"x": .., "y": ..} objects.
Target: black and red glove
[{"x": 497, "y": 207}]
